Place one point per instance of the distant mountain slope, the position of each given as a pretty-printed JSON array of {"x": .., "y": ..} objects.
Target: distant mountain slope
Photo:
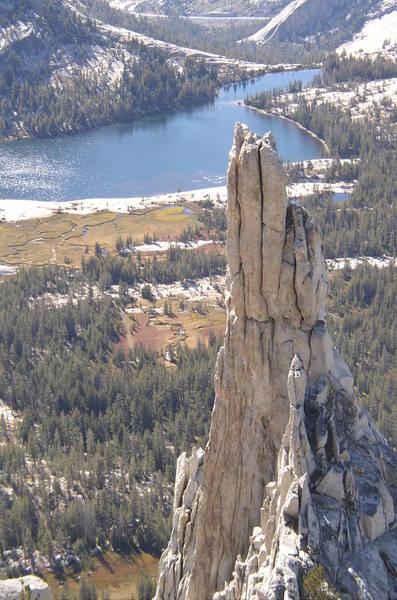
[
  {"x": 202, "y": 7},
  {"x": 378, "y": 35},
  {"x": 350, "y": 24},
  {"x": 61, "y": 71},
  {"x": 38, "y": 40},
  {"x": 53, "y": 40}
]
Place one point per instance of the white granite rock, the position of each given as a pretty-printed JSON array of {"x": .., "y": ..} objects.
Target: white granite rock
[
  {"x": 11, "y": 589},
  {"x": 294, "y": 472}
]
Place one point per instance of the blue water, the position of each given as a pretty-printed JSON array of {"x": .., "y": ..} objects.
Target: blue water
[
  {"x": 183, "y": 150},
  {"x": 341, "y": 196}
]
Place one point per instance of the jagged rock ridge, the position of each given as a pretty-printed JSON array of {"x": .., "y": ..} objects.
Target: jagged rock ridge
[{"x": 294, "y": 473}]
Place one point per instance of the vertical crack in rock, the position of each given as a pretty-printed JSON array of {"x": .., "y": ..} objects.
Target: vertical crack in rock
[
  {"x": 261, "y": 212},
  {"x": 294, "y": 472}
]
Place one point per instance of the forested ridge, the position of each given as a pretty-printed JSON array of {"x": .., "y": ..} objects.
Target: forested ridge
[
  {"x": 220, "y": 39},
  {"x": 147, "y": 86},
  {"x": 351, "y": 69},
  {"x": 35, "y": 103}
]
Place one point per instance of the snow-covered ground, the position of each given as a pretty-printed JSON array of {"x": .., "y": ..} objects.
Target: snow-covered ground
[
  {"x": 164, "y": 246},
  {"x": 20, "y": 210},
  {"x": 360, "y": 98},
  {"x": 14, "y": 33},
  {"x": 378, "y": 36},
  {"x": 7, "y": 270},
  {"x": 307, "y": 188},
  {"x": 205, "y": 289},
  {"x": 320, "y": 165},
  {"x": 353, "y": 263}
]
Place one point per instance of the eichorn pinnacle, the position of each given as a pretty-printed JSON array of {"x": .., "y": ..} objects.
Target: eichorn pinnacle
[{"x": 295, "y": 473}]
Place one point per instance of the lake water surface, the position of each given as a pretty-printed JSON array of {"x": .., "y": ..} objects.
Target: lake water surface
[{"x": 184, "y": 150}]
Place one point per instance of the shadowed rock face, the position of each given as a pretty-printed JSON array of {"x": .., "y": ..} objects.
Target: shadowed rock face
[{"x": 293, "y": 473}]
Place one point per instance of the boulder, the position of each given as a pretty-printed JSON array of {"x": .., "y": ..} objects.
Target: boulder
[{"x": 11, "y": 589}]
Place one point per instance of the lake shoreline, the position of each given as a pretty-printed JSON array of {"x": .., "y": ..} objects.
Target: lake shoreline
[
  {"x": 260, "y": 71},
  {"x": 13, "y": 210},
  {"x": 281, "y": 116},
  {"x": 153, "y": 156}
]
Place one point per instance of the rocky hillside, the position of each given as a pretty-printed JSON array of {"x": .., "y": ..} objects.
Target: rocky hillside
[
  {"x": 62, "y": 71},
  {"x": 296, "y": 490},
  {"x": 58, "y": 39},
  {"x": 369, "y": 23}
]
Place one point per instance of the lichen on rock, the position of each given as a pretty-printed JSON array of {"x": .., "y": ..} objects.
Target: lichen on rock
[{"x": 294, "y": 473}]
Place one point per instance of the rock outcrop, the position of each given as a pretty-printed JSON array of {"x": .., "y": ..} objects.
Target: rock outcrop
[
  {"x": 28, "y": 586},
  {"x": 363, "y": 26},
  {"x": 302, "y": 18},
  {"x": 295, "y": 474}
]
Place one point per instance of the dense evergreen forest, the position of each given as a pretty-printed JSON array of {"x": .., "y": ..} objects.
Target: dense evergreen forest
[
  {"x": 35, "y": 103},
  {"x": 178, "y": 265},
  {"x": 91, "y": 458},
  {"x": 343, "y": 68},
  {"x": 362, "y": 320}
]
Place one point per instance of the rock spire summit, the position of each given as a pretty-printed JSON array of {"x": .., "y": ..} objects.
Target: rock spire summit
[{"x": 294, "y": 473}]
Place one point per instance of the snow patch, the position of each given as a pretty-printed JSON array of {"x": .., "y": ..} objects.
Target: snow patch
[
  {"x": 307, "y": 188},
  {"x": 206, "y": 288},
  {"x": 378, "y": 36},
  {"x": 164, "y": 246},
  {"x": 7, "y": 270},
  {"x": 14, "y": 33},
  {"x": 374, "y": 261}
]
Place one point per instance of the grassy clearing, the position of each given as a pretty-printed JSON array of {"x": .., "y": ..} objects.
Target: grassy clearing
[
  {"x": 158, "y": 331},
  {"x": 112, "y": 573}
]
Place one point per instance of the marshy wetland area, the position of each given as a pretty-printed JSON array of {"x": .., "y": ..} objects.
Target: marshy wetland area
[
  {"x": 63, "y": 238},
  {"x": 182, "y": 312}
]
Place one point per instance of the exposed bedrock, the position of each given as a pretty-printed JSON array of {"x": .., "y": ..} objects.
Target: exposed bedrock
[{"x": 294, "y": 472}]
